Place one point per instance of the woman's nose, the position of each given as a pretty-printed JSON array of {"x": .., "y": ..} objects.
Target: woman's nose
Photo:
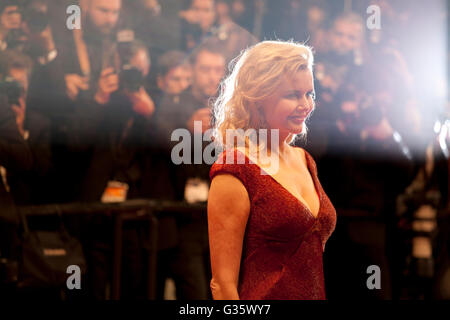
[{"x": 304, "y": 105}]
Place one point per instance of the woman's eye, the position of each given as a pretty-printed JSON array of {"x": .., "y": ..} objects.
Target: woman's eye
[
  {"x": 312, "y": 94},
  {"x": 292, "y": 96}
]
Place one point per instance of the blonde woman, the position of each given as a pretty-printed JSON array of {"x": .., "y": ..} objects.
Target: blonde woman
[{"x": 267, "y": 232}]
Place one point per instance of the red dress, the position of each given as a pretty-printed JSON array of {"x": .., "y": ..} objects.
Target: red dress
[{"x": 283, "y": 242}]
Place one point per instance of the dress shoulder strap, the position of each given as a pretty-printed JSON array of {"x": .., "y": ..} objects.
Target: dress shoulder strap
[{"x": 232, "y": 162}]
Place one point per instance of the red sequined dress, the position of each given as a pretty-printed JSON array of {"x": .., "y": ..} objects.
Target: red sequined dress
[{"x": 283, "y": 242}]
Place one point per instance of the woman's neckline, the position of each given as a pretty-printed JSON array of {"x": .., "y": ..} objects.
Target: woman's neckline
[{"x": 313, "y": 177}]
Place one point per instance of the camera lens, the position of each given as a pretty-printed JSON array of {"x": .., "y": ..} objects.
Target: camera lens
[
  {"x": 12, "y": 89},
  {"x": 131, "y": 78},
  {"x": 37, "y": 20}
]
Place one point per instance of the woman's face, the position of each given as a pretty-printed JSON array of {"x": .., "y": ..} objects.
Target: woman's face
[{"x": 291, "y": 104}]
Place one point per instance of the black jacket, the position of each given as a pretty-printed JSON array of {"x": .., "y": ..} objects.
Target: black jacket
[
  {"x": 15, "y": 156},
  {"x": 172, "y": 114},
  {"x": 32, "y": 186}
]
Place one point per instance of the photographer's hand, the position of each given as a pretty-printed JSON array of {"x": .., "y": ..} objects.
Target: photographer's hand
[
  {"x": 142, "y": 102},
  {"x": 75, "y": 83},
  {"x": 47, "y": 39},
  {"x": 43, "y": 39},
  {"x": 107, "y": 84},
  {"x": 203, "y": 115},
  {"x": 19, "y": 111}
]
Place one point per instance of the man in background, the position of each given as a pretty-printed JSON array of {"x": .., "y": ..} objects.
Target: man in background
[
  {"x": 189, "y": 263},
  {"x": 31, "y": 186}
]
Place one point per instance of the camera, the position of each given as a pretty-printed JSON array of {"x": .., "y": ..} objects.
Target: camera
[
  {"x": 17, "y": 39},
  {"x": 12, "y": 89},
  {"x": 131, "y": 78},
  {"x": 36, "y": 18}
]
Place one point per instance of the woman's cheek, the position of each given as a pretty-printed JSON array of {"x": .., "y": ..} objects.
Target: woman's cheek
[{"x": 290, "y": 106}]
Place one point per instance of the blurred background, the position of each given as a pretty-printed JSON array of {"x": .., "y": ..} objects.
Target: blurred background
[{"x": 91, "y": 91}]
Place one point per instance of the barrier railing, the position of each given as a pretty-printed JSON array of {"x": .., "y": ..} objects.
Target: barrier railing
[{"x": 138, "y": 209}]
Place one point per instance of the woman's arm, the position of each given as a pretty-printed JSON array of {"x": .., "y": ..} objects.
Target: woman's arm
[{"x": 228, "y": 211}]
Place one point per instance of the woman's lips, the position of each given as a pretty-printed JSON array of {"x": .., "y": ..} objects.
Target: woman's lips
[{"x": 297, "y": 119}]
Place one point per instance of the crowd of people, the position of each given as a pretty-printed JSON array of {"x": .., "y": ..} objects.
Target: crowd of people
[{"x": 87, "y": 110}]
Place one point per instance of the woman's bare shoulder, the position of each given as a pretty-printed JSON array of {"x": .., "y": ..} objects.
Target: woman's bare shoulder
[
  {"x": 228, "y": 184},
  {"x": 228, "y": 193},
  {"x": 232, "y": 180}
]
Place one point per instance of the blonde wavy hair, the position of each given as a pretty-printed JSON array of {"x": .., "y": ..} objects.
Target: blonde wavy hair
[{"x": 255, "y": 75}]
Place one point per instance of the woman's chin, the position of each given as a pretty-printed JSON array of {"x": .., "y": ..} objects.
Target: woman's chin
[{"x": 297, "y": 129}]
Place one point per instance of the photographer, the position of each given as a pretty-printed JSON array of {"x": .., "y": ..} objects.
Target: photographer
[
  {"x": 10, "y": 24},
  {"x": 41, "y": 46},
  {"x": 211, "y": 20},
  {"x": 188, "y": 264},
  {"x": 361, "y": 142},
  {"x": 15, "y": 156},
  {"x": 27, "y": 186},
  {"x": 156, "y": 23},
  {"x": 122, "y": 115},
  {"x": 119, "y": 125},
  {"x": 66, "y": 83},
  {"x": 174, "y": 75},
  {"x": 26, "y": 28},
  {"x": 339, "y": 72}
]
